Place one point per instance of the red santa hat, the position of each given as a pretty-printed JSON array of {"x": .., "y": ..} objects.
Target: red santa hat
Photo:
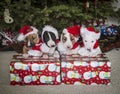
[
  {"x": 25, "y": 31},
  {"x": 90, "y": 30},
  {"x": 74, "y": 30}
]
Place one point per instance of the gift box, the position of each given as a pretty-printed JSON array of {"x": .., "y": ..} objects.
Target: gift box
[
  {"x": 34, "y": 71},
  {"x": 85, "y": 70}
]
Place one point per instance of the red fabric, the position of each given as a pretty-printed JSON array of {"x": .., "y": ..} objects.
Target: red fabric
[
  {"x": 74, "y": 30},
  {"x": 42, "y": 71},
  {"x": 80, "y": 70},
  {"x": 37, "y": 46},
  {"x": 75, "y": 45},
  {"x": 24, "y": 29},
  {"x": 91, "y": 29},
  {"x": 57, "y": 40},
  {"x": 96, "y": 44}
]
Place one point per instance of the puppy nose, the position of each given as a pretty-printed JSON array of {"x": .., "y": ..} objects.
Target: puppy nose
[
  {"x": 89, "y": 50},
  {"x": 68, "y": 47},
  {"x": 52, "y": 45}
]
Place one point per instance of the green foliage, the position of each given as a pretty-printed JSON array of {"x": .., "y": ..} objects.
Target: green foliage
[{"x": 59, "y": 13}]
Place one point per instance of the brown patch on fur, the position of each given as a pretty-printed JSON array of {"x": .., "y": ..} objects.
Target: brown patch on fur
[
  {"x": 33, "y": 38},
  {"x": 64, "y": 39},
  {"x": 72, "y": 38}
]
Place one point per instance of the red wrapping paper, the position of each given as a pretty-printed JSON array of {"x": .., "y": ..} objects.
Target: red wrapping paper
[
  {"x": 85, "y": 70},
  {"x": 34, "y": 72}
]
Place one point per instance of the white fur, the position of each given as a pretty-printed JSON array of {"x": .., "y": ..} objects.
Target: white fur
[
  {"x": 66, "y": 48},
  {"x": 50, "y": 42},
  {"x": 89, "y": 40},
  {"x": 50, "y": 50},
  {"x": 34, "y": 53}
]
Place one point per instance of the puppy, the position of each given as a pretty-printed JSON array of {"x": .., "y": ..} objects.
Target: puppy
[
  {"x": 29, "y": 35},
  {"x": 90, "y": 42},
  {"x": 69, "y": 41},
  {"x": 50, "y": 39}
]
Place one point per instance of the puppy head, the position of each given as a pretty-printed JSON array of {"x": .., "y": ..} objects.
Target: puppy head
[
  {"x": 90, "y": 41},
  {"x": 68, "y": 39},
  {"x": 32, "y": 39},
  {"x": 49, "y": 38}
]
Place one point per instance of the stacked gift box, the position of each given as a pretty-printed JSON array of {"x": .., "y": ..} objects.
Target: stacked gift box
[
  {"x": 85, "y": 70},
  {"x": 69, "y": 69},
  {"x": 34, "y": 71}
]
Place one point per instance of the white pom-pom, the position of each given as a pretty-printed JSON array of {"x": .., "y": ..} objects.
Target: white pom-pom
[{"x": 21, "y": 37}]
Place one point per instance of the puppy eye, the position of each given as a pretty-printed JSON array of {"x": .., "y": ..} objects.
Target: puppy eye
[
  {"x": 64, "y": 38},
  {"x": 72, "y": 39},
  {"x": 85, "y": 40},
  {"x": 26, "y": 39},
  {"x": 92, "y": 41},
  {"x": 33, "y": 38}
]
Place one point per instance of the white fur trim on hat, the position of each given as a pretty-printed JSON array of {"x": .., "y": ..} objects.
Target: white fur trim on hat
[
  {"x": 50, "y": 29},
  {"x": 35, "y": 31}
]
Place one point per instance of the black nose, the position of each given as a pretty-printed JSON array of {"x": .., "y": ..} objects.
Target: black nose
[
  {"x": 89, "y": 50},
  {"x": 68, "y": 47},
  {"x": 52, "y": 45},
  {"x": 31, "y": 45}
]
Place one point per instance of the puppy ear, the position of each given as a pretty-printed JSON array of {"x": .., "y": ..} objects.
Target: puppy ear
[
  {"x": 96, "y": 35},
  {"x": 82, "y": 30},
  {"x": 64, "y": 31},
  {"x": 36, "y": 38}
]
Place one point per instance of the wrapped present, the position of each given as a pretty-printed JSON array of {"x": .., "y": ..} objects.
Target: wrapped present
[
  {"x": 85, "y": 70},
  {"x": 34, "y": 71}
]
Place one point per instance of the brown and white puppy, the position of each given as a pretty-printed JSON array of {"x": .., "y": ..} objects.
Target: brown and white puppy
[
  {"x": 69, "y": 41},
  {"x": 29, "y": 35}
]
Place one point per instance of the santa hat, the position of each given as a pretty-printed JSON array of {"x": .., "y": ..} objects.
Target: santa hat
[
  {"x": 25, "y": 31},
  {"x": 74, "y": 30},
  {"x": 49, "y": 28},
  {"x": 90, "y": 30}
]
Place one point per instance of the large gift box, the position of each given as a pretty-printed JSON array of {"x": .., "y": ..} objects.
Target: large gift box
[
  {"x": 85, "y": 70},
  {"x": 34, "y": 71}
]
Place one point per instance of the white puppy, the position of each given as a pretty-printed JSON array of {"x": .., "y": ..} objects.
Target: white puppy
[{"x": 90, "y": 42}]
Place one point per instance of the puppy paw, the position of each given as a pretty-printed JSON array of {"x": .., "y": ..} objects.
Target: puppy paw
[
  {"x": 25, "y": 55},
  {"x": 45, "y": 56},
  {"x": 56, "y": 54}
]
